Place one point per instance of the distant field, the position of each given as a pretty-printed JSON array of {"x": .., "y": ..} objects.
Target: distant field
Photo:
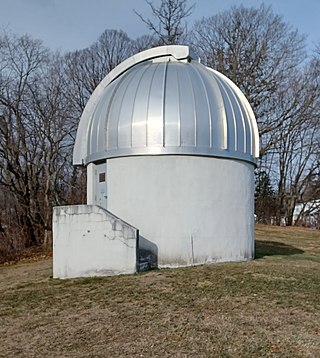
[{"x": 269, "y": 307}]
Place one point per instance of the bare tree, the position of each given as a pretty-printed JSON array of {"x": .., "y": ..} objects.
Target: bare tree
[
  {"x": 258, "y": 51},
  {"x": 54, "y": 129},
  {"x": 36, "y": 134},
  {"x": 86, "y": 68},
  {"x": 21, "y": 58},
  {"x": 144, "y": 42},
  {"x": 167, "y": 24},
  {"x": 295, "y": 151}
]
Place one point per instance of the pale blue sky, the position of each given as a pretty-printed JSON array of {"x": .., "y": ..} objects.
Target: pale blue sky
[{"x": 73, "y": 24}]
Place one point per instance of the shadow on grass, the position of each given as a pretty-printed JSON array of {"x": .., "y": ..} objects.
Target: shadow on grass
[{"x": 271, "y": 248}]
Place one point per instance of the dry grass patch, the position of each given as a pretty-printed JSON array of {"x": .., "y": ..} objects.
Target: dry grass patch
[{"x": 265, "y": 308}]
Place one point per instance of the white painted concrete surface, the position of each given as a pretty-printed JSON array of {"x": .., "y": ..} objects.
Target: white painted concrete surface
[
  {"x": 89, "y": 241},
  {"x": 195, "y": 210}
]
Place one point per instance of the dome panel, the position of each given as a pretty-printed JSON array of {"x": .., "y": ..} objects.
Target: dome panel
[
  {"x": 154, "y": 115},
  {"x": 172, "y": 109},
  {"x": 164, "y": 105},
  {"x": 186, "y": 102}
]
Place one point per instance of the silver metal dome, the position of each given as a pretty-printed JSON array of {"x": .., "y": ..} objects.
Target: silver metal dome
[{"x": 163, "y": 101}]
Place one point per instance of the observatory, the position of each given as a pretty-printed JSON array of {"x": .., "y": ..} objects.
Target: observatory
[{"x": 170, "y": 148}]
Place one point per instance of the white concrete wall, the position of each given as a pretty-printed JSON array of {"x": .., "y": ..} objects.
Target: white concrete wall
[
  {"x": 89, "y": 241},
  {"x": 194, "y": 209}
]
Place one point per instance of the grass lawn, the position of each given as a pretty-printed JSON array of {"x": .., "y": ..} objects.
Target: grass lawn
[{"x": 269, "y": 307}]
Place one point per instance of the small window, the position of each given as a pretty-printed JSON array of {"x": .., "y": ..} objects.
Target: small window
[{"x": 102, "y": 177}]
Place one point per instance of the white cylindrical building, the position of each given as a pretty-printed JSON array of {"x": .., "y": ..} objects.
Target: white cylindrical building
[{"x": 170, "y": 146}]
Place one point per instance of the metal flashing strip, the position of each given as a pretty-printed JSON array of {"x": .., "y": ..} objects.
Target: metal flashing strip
[{"x": 165, "y": 151}]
